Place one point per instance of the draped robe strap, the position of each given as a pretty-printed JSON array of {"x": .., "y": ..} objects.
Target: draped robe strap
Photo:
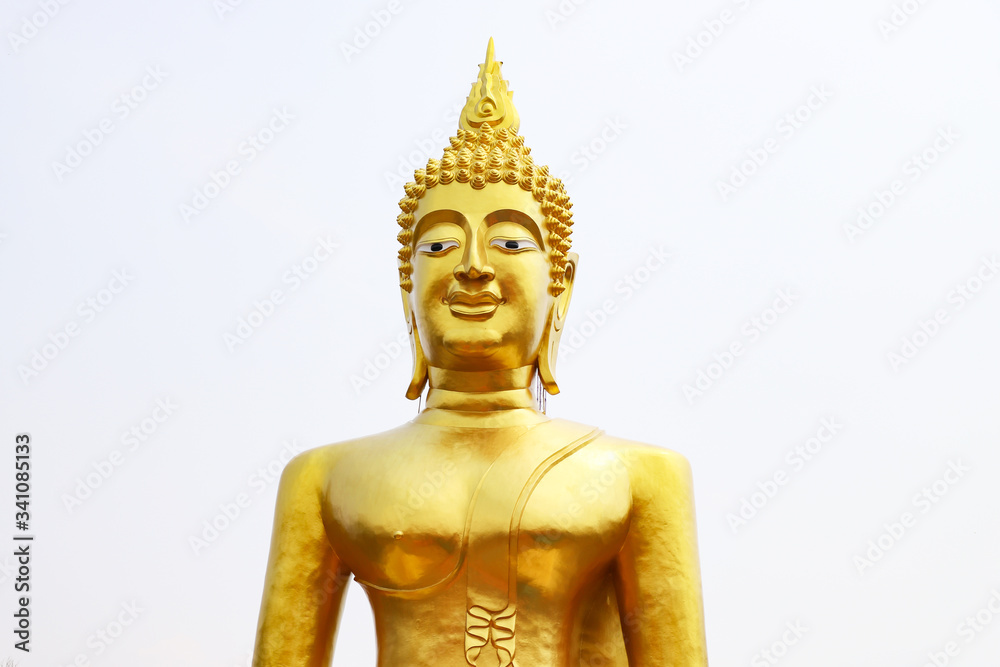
[{"x": 493, "y": 532}]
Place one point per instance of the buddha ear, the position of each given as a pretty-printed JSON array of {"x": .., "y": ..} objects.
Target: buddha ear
[
  {"x": 419, "y": 379},
  {"x": 549, "y": 348}
]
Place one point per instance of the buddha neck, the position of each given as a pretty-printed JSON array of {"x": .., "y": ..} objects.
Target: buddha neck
[{"x": 485, "y": 399}]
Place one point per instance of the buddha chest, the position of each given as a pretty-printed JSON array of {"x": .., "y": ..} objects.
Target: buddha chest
[{"x": 409, "y": 517}]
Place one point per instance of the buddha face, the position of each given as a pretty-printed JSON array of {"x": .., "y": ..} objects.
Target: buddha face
[{"x": 480, "y": 298}]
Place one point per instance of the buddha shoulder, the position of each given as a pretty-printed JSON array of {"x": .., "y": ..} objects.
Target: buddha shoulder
[
  {"x": 358, "y": 454},
  {"x": 652, "y": 471},
  {"x": 645, "y": 471}
]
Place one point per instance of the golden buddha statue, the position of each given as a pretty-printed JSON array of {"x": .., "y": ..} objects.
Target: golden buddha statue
[{"x": 484, "y": 532}]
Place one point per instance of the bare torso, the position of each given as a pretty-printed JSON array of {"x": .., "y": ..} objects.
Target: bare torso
[
  {"x": 430, "y": 517},
  {"x": 396, "y": 508}
]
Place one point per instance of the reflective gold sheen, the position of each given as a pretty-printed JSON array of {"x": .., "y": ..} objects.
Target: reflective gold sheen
[{"x": 484, "y": 532}]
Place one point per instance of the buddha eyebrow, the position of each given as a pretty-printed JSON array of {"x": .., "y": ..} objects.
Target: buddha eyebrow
[
  {"x": 518, "y": 217},
  {"x": 434, "y": 217}
]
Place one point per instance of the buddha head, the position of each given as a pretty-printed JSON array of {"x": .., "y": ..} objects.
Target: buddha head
[{"x": 484, "y": 265}]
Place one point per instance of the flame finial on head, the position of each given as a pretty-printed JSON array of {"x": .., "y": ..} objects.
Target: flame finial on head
[{"x": 490, "y": 101}]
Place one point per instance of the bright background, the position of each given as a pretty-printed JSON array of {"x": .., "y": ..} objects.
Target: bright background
[{"x": 661, "y": 134}]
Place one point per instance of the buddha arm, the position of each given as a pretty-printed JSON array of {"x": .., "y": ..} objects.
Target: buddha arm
[
  {"x": 305, "y": 582},
  {"x": 657, "y": 575}
]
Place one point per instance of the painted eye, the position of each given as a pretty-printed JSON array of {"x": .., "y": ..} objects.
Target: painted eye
[
  {"x": 436, "y": 247},
  {"x": 514, "y": 245}
]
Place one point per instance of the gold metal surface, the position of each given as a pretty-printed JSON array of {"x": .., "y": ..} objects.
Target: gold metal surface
[{"x": 484, "y": 532}]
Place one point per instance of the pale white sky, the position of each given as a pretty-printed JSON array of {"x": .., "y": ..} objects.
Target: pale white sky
[{"x": 119, "y": 115}]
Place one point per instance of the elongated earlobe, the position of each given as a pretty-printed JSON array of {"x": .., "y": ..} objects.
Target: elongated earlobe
[
  {"x": 419, "y": 378},
  {"x": 549, "y": 348},
  {"x": 547, "y": 357}
]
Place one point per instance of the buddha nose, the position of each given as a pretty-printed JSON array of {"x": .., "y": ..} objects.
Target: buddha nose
[{"x": 474, "y": 265}]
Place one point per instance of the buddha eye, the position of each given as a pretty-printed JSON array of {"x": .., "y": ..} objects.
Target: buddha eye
[
  {"x": 436, "y": 247},
  {"x": 514, "y": 245}
]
